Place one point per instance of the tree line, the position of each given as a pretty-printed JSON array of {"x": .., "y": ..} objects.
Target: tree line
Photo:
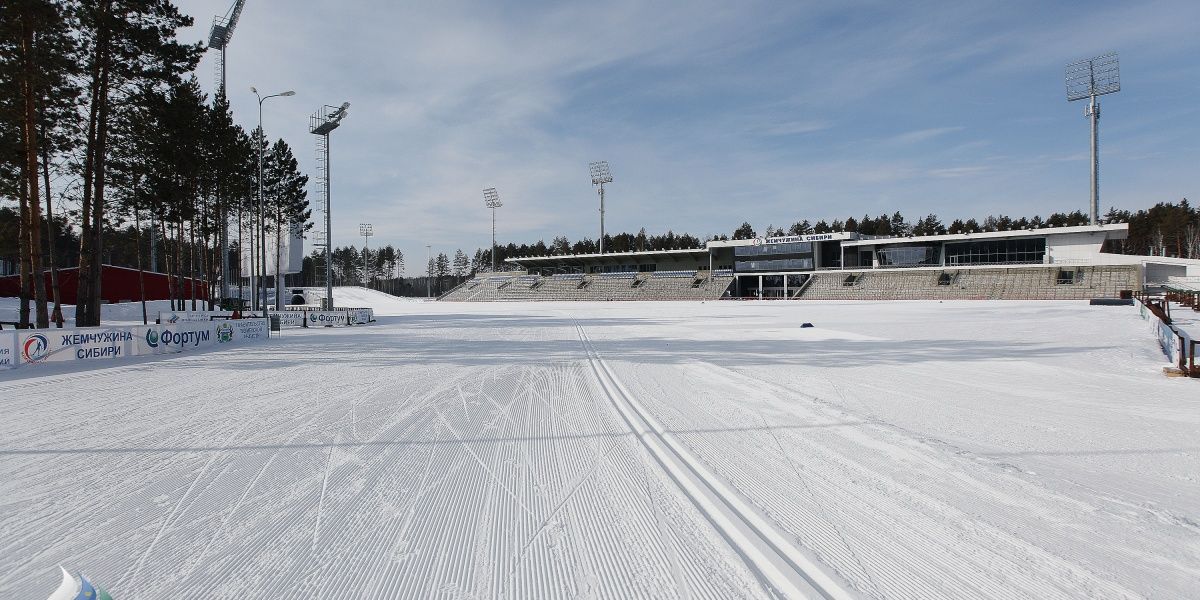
[{"x": 102, "y": 117}]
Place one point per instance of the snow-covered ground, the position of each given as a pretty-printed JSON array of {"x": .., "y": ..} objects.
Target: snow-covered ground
[
  {"x": 124, "y": 313},
  {"x": 619, "y": 450}
]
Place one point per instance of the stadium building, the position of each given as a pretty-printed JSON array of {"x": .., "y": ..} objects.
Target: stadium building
[{"x": 1047, "y": 263}]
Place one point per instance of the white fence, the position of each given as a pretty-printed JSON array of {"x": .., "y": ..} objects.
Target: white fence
[{"x": 35, "y": 346}]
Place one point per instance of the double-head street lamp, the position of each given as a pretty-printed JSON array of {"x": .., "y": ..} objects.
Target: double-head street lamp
[{"x": 262, "y": 238}]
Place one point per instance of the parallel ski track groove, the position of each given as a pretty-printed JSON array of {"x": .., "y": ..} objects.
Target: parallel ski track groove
[{"x": 782, "y": 567}]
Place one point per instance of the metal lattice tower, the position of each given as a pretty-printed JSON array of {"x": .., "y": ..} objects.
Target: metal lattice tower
[
  {"x": 218, "y": 39},
  {"x": 321, "y": 235},
  {"x": 321, "y": 124}
]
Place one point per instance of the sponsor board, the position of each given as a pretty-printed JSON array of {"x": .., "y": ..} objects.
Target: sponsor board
[
  {"x": 323, "y": 318},
  {"x": 172, "y": 317},
  {"x": 362, "y": 315},
  {"x": 60, "y": 345},
  {"x": 290, "y": 318},
  {"x": 8, "y": 350},
  {"x": 247, "y": 330}
]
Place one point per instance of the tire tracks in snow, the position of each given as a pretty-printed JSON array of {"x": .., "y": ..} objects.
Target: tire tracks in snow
[{"x": 781, "y": 567}]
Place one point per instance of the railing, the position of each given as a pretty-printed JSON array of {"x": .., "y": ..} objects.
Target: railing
[{"x": 1179, "y": 347}]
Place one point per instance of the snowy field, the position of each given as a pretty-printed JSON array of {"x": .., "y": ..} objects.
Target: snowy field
[{"x": 619, "y": 450}]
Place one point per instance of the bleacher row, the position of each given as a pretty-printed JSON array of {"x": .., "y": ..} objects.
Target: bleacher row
[
  {"x": 662, "y": 285},
  {"x": 1015, "y": 283}
]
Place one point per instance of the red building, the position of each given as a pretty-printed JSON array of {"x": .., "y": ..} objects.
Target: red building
[{"x": 118, "y": 284}]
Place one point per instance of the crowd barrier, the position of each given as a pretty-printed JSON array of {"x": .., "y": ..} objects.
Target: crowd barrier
[
  {"x": 36, "y": 346},
  {"x": 341, "y": 317},
  {"x": 165, "y": 317},
  {"x": 1176, "y": 344}
]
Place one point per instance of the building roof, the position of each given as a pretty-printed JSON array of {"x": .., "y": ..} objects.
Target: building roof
[
  {"x": 1114, "y": 231},
  {"x": 616, "y": 258}
]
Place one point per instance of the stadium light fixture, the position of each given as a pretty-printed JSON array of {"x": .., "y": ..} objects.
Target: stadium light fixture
[
  {"x": 366, "y": 230},
  {"x": 491, "y": 199},
  {"x": 600, "y": 176},
  {"x": 1089, "y": 79}
]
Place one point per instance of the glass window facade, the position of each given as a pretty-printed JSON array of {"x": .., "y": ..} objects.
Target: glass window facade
[
  {"x": 786, "y": 264},
  {"x": 997, "y": 252},
  {"x": 770, "y": 249},
  {"x": 909, "y": 255}
]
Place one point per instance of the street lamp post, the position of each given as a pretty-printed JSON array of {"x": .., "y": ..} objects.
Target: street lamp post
[{"x": 262, "y": 238}]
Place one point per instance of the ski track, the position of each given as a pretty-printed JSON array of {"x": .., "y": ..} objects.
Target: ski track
[{"x": 564, "y": 451}]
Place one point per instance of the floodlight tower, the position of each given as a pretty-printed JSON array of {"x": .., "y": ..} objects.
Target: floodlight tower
[
  {"x": 321, "y": 123},
  {"x": 491, "y": 199},
  {"x": 218, "y": 39},
  {"x": 1092, "y": 78},
  {"x": 366, "y": 230},
  {"x": 600, "y": 176}
]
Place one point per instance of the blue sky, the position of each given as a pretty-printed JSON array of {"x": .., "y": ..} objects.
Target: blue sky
[{"x": 711, "y": 112}]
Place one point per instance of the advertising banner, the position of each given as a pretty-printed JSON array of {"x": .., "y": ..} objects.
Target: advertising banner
[
  {"x": 290, "y": 318},
  {"x": 242, "y": 330},
  {"x": 166, "y": 317},
  {"x": 321, "y": 318},
  {"x": 362, "y": 315},
  {"x": 8, "y": 350},
  {"x": 60, "y": 345},
  {"x": 47, "y": 345}
]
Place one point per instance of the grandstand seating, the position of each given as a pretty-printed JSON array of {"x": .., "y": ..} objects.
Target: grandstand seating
[
  {"x": 1051, "y": 282},
  {"x": 1001, "y": 283},
  {"x": 670, "y": 285}
]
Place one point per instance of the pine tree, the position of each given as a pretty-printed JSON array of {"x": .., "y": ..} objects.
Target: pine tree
[
  {"x": 461, "y": 264},
  {"x": 287, "y": 210},
  {"x": 38, "y": 61},
  {"x": 126, "y": 44},
  {"x": 744, "y": 232}
]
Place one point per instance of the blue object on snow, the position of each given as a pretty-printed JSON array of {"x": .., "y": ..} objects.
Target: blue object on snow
[
  {"x": 86, "y": 591},
  {"x": 805, "y": 325}
]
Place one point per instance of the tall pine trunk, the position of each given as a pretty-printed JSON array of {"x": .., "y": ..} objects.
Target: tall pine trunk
[
  {"x": 29, "y": 134},
  {"x": 89, "y": 253},
  {"x": 137, "y": 225},
  {"x": 166, "y": 260},
  {"x": 94, "y": 274},
  {"x": 52, "y": 241},
  {"x": 192, "y": 261},
  {"x": 23, "y": 252}
]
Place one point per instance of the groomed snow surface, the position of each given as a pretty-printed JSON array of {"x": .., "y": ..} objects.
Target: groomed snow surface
[{"x": 619, "y": 450}]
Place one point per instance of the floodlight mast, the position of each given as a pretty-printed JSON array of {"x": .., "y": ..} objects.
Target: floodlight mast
[
  {"x": 218, "y": 39},
  {"x": 366, "y": 230},
  {"x": 600, "y": 176},
  {"x": 1090, "y": 79},
  {"x": 322, "y": 123},
  {"x": 491, "y": 199}
]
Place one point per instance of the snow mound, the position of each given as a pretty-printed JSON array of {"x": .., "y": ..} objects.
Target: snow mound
[
  {"x": 110, "y": 314},
  {"x": 383, "y": 303}
]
